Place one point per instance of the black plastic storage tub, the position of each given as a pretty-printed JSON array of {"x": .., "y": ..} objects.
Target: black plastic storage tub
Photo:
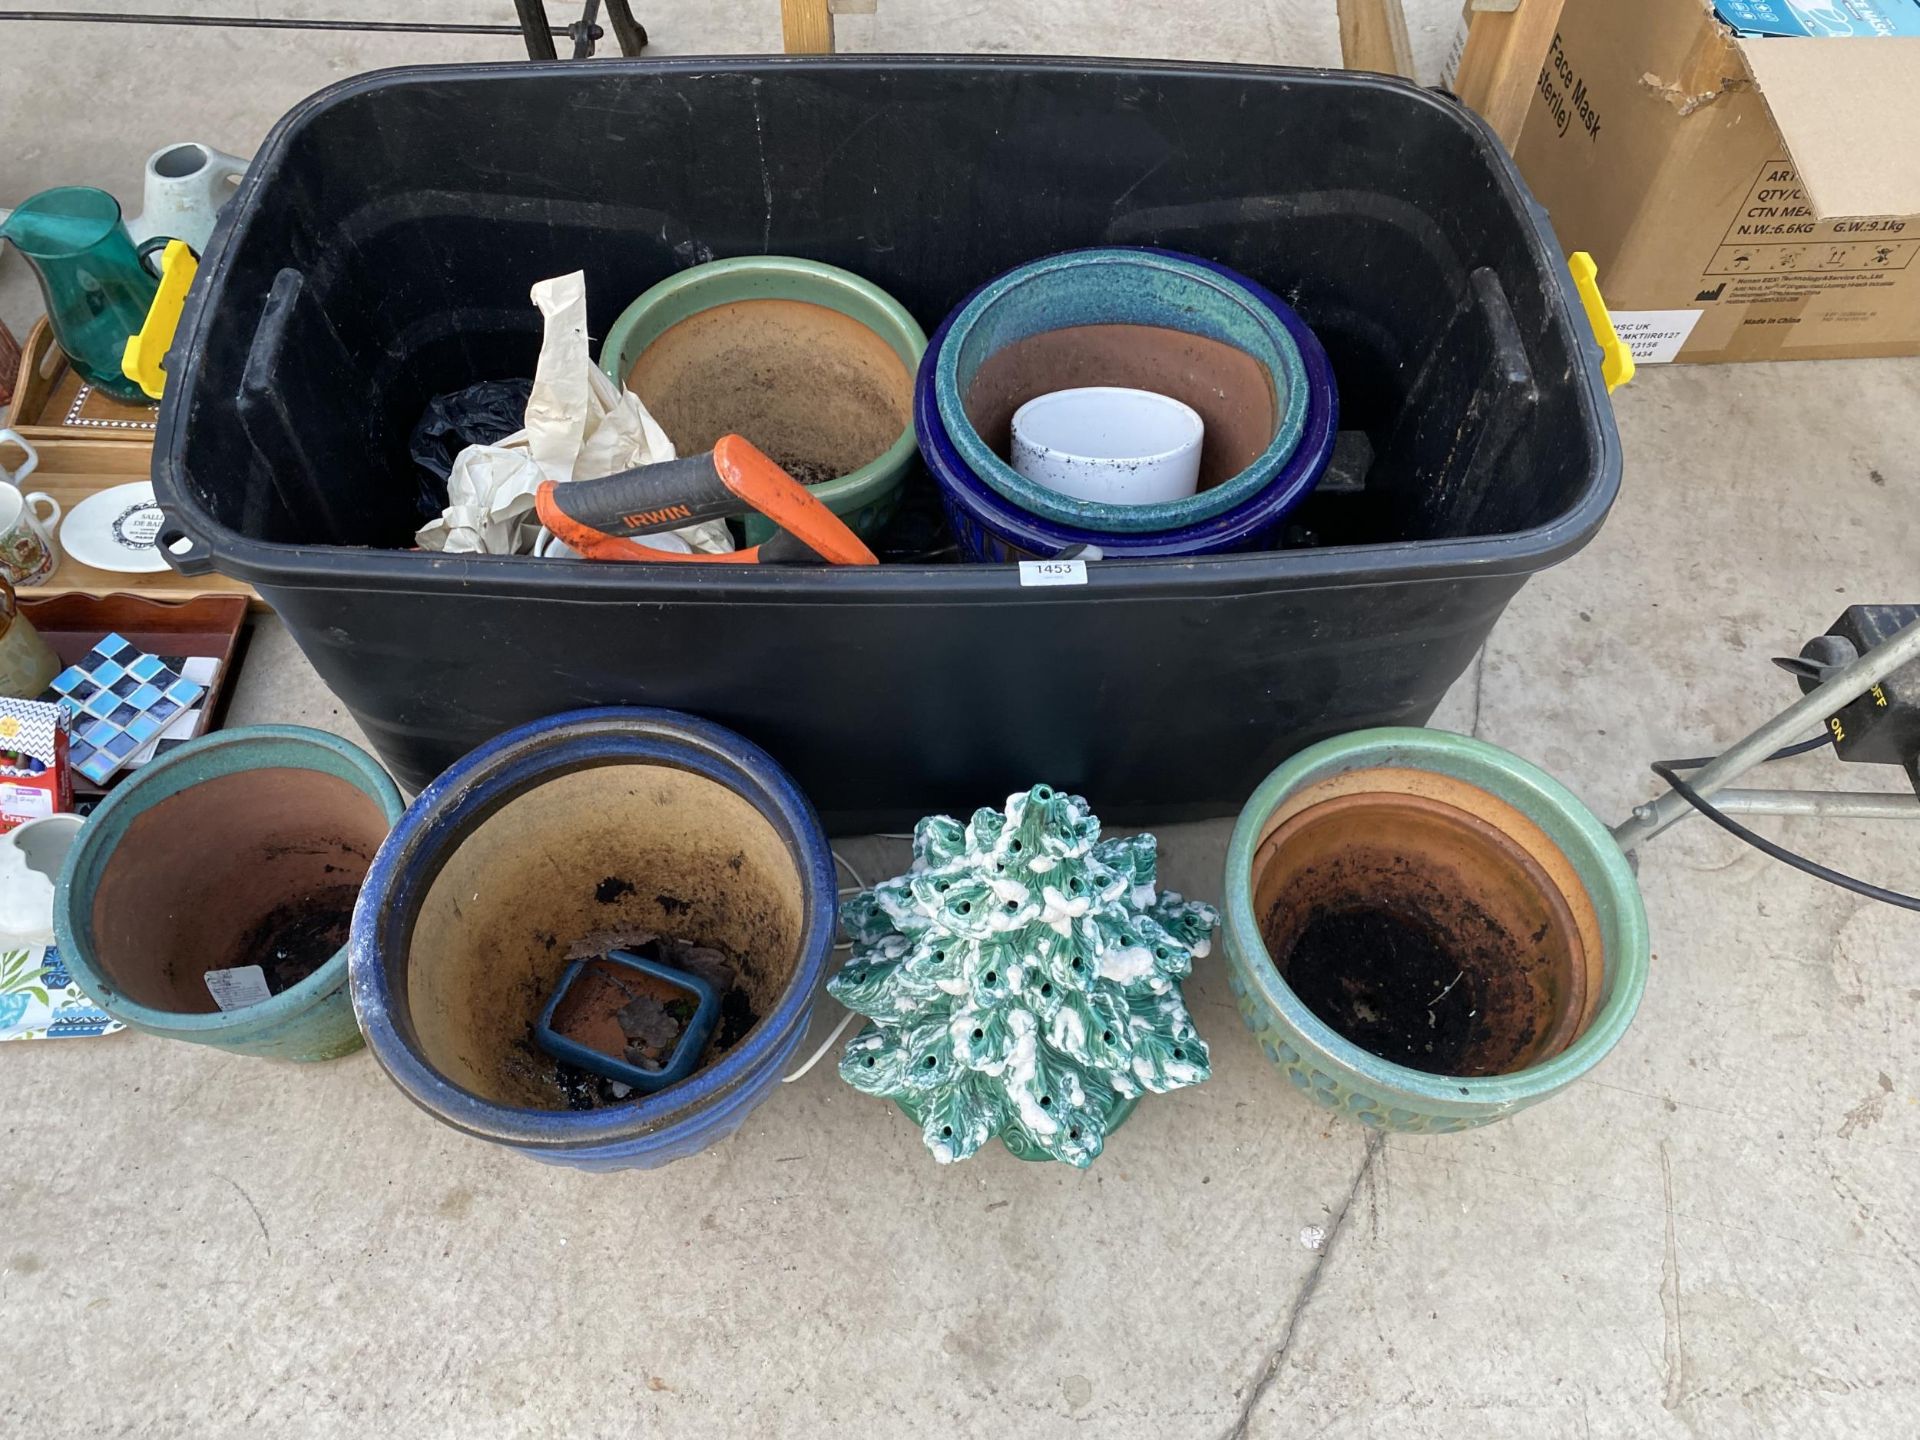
[{"x": 382, "y": 246}]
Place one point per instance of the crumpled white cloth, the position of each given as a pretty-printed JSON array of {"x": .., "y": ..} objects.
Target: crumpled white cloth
[{"x": 579, "y": 426}]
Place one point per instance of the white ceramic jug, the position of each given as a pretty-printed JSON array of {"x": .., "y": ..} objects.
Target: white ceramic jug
[
  {"x": 30, "y": 859},
  {"x": 185, "y": 187}
]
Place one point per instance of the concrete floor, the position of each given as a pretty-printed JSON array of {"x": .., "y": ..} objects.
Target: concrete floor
[{"x": 1715, "y": 1235}]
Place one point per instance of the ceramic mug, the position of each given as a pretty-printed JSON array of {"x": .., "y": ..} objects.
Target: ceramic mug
[
  {"x": 27, "y": 662},
  {"x": 19, "y": 442},
  {"x": 1110, "y": 444},
  {"x": 27, "y": 553}
]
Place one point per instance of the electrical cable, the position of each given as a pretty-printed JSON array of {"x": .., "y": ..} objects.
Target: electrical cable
[
  {"x": 1804, "y": 747},
  {"x": 1669, "y": 771},
  {"x": 825, "y": 1045},
  {"x": 851, "y": 1016}
]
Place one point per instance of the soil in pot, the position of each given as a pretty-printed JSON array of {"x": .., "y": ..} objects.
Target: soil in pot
[
  {"x": 618, "y": 856},
  {"x": 1390, "y": 985},
  {"x": 1232, "y": 391},
  {"x": 818, "y": 391},
  {"x": 256, "y": 868},
  {"x": 295, "y": 939},
  {"x": 1421, "y": 934}
]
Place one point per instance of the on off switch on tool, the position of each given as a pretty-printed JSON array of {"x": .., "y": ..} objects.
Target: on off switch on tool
[{"x": 1882, "y": 726}]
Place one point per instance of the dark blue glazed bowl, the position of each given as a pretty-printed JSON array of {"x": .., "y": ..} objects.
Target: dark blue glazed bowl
[
  {"x": 989, "y": 527},
  {"x": 420, "y": 1025}
]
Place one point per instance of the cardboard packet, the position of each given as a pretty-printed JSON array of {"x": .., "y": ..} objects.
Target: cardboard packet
[{"x": 35, "y": 778}]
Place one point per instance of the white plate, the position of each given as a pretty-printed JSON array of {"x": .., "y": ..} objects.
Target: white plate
[{"x": 115, "y": 529}]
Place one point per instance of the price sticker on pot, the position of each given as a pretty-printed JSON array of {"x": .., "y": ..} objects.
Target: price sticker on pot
[
  {"x": 1053, "y": 572},
  {"x": 239, "y": 987}
]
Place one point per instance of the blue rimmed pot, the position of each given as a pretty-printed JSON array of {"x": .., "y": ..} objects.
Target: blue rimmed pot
[
  {"x": 245, "y": 847},
  {"x": 991, "y": 528},
  {"x": 1367, "y": 849},
  {"x": 592, "y": 827},
  {"x": 998, "y": 514}
]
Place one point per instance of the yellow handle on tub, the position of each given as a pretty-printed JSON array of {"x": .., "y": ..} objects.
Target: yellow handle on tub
[
  {"x": 1616, "y": 360},
  {"x": 146, "y": 352}
]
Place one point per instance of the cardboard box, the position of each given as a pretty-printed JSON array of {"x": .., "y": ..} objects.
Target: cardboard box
[
  {"x": 35, "y": 780},
  {"x": 1746, "y": 197}
]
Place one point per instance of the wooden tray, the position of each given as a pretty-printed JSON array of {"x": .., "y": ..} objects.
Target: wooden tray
[
  {"x": 210, "y": 625},
  {"x": 73, "y": 426},
  {"x": 71, "y": 577},
  {"x": 89, "y": 443},
  {"x": 9, "y": 362}
]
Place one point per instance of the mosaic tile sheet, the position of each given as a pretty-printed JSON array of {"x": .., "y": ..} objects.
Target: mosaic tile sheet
[
  {"x": 202, "y": 670},
  {"x": 121, "y": 700}
]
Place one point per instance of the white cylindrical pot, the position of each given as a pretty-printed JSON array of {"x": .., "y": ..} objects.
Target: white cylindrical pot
[{"x": 1109, "y": 444}]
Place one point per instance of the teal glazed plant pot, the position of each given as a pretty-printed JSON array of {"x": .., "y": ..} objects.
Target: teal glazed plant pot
[
  {"x": 1162, "y": 291},
  {"x": 1508, "y": 816},
  {"x": 814, "y": 390},
  {"x": 245, "y": 847}
]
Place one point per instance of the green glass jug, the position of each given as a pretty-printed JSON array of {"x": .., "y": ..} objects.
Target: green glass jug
[{"x": 92, "y": 276}]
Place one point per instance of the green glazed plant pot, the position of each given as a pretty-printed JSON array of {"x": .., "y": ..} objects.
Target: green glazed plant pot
[
  {"x": 246, "y": 846},
  {"x": 864, "y": 497},
  {"x": 1388, "y": 793}
]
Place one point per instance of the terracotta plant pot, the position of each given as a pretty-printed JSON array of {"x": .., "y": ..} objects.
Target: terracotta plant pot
[
  {"x": 809, "y": 362},
  {"x": 245, "y": 847},
  {"x": 569, "y": 837},
  {"x": 1138, "y": 318},
  {"x": 1427, "y": 932}
]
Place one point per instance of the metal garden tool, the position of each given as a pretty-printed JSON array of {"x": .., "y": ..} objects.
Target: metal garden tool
[{"x": 1861, "y": 683}]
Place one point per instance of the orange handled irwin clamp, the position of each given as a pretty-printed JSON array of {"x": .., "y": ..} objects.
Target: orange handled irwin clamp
[{"x": 599, "y": 518}]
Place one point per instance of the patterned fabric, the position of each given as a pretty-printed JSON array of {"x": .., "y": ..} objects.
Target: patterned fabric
[
  {"x": 29, "y": 728},
  {"x": 39, "y": 1001}
]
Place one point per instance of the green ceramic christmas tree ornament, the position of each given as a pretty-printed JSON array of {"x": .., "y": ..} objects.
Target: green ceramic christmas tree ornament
[{"x": 1022, "y": 980}]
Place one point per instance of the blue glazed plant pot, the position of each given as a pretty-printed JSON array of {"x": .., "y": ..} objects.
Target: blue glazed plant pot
[
  {"x": 1391, "y": 791},
  {"x": 998, "y": 515},
  {"x": 234, "y": 849},
  {"x": 584, "y": 832}
]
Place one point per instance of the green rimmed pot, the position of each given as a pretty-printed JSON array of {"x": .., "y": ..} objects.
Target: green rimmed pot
[
  {"x": 1406, "y": 845},
  {"x": 244, "y": 847},
  {"x": 1142, "y": 319},
  {"x": 811, "y": 363}
]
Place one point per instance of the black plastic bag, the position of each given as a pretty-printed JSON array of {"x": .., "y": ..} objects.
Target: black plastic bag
[{"x": 477, "y": 415}]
